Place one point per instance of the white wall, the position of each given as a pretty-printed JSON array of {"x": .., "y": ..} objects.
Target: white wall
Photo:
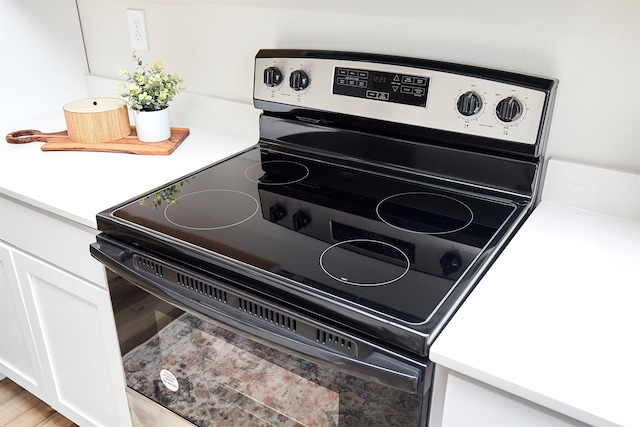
[
  {"x": 592, "y": 47},
  {"x": 42, "y": 60}
]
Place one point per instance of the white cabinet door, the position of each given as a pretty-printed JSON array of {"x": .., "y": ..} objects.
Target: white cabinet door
[
  {"x": 75, "y": 333},
  {"x": 18, "y": 356},
  {"x": 462, "y": 401}
]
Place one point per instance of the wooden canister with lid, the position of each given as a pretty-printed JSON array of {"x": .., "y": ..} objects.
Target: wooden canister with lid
[{"x": 97, "y": 120}]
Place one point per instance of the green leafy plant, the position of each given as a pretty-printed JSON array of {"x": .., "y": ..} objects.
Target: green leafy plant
[{"x": 149, "y": 87}]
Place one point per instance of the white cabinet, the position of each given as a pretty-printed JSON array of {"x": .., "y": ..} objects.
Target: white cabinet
[
  {"x": 58, "y": 338},
  {"x": 460, "y": 401},
  {"x": 18, "y": 356}
]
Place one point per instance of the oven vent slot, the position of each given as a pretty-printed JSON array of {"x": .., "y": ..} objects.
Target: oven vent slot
[
  {"x": 201, "y": 287},
  {"x": 304, "y": 329},
  {"x": 268, "y": 314},
  {"x": 334, "y": 341},
  {"x": 149, "y": 266}
]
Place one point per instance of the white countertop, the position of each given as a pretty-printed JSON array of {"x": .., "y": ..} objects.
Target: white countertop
[
  {"x": 78, "y": 185},
  {"x": 555, "y": 319}
]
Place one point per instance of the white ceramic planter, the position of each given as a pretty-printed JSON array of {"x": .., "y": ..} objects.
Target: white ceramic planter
[{"x": 152, "y": 126}]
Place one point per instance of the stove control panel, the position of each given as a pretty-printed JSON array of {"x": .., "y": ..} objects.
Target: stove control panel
[
  {"x": 381, "y": 86},
  {"x": 473, "y": 104}
]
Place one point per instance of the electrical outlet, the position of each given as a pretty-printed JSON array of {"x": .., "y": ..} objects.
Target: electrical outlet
[{"x": 137, "y": 29}]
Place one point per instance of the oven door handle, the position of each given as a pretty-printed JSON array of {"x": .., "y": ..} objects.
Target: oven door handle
[{"x": 396, "y": 372}]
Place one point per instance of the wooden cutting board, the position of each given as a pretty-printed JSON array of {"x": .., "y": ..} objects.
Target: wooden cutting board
[{"x": 60, "y": 142}]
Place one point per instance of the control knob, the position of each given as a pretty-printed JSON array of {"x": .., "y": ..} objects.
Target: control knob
[
  {"x": 272, "y": 77},
  {"x": 300, "y": 220},
  {"x": 469, "y": 103},
  {"x": 299, "y": 80},
  {"x": 277, "y": 212},
  {"x": 509, "y": 109},
  {"x": 450, "y": 263}
]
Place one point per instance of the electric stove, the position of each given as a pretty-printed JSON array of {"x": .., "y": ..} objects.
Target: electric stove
[{"x": 380, "y": 191}]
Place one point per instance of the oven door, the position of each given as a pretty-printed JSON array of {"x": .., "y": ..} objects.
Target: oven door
[{"x": 198, "y": 349}]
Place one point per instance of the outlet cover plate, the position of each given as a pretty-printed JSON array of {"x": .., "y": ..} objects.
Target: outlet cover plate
[{"x": 137, "y": 29}]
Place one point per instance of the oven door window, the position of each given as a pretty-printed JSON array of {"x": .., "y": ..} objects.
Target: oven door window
[{"x": 212, "y": 376}]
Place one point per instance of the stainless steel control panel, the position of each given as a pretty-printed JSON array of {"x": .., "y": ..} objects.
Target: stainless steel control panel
[{"x": 414, "y": 96}]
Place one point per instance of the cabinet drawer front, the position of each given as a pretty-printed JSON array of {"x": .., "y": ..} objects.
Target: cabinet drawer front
[{"x": 54, "y": 239}]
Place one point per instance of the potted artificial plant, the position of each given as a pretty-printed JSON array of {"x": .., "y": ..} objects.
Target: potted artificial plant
[{"x": 148, "y": 91}]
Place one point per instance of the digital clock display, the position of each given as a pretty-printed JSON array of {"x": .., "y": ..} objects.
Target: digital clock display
[
  {"x": 380, "y": 79},
  {"x": 383, "y": 86}
]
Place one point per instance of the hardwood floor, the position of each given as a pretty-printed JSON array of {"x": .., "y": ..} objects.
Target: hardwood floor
[{"x": 19, "y": 408}]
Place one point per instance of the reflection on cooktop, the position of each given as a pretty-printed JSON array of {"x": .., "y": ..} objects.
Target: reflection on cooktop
[
  {"x": 277, "y": 172},
  {"x": 422, "y": 212}
]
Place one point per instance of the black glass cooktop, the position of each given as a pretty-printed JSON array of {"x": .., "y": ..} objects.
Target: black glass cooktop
[{"x": 395, "y": 246}]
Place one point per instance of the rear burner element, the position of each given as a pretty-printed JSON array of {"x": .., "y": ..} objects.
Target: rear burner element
[
  {"x": 343, "y": 262},
  {"x": 424, "y": 213},
  {"x": 211, "y": 209},
  {"x": 276, "y": 172}
]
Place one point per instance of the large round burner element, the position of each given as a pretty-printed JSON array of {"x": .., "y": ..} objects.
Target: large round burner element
[
  {"x": 211, "y": 209},
  {"x": 276, "y": 172},
  {"x": 424, "y": 213},
  {"x": 350, "y": 262}
]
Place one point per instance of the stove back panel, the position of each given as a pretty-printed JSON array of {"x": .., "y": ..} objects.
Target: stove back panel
[{"x": 479, "y": 109}]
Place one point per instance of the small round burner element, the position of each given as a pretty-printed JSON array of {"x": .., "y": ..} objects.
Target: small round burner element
[
  {"x": 277, "y": 172},
  {"x": 211, "y": 209},
  {"x": 349, "y": 262},
  {"x": 424, "y": 213}
]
